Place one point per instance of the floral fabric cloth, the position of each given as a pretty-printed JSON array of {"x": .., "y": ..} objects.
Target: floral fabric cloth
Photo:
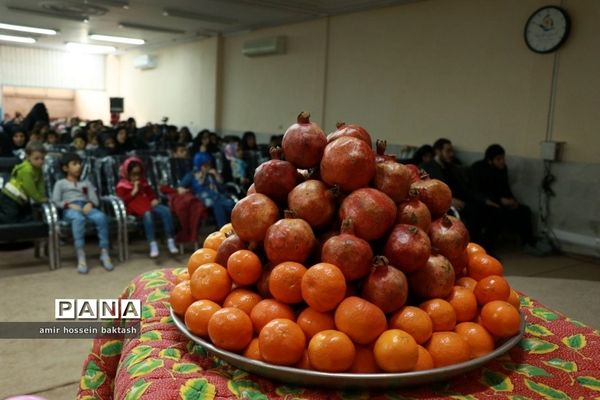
[{"x": 557, "y": 359}]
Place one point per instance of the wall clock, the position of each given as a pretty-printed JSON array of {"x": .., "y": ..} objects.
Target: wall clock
[{"x": 547, "y": 29}]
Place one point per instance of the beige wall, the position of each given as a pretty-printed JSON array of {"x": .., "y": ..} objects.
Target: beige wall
[
  {"x": 182, "y": 87},
  {"x": 59, "y": 102}
]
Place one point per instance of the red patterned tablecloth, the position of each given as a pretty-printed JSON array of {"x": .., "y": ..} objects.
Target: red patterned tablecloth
[{"x": 559, "y": 358}]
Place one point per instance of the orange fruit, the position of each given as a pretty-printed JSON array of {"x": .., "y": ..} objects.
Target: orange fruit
[
  {"x": 513, "y": 299},
  {"x": 198, "y": 314},
  {"x": 396, "y": 351},
  {"x": 244, "y": 267},
  {"x": 304, "y": 362},
  {"x": 414, "y": 321},
  {"x": 312, "y": 321},
  {"x": 226, "y": 229},
  {"x": 464, "y": 303},
  {"x": 361, "y": 320},
  {"x": 447, "y": 348},
  {"x": 424, "y": 361},
  {"x": 331, "y": 351},
  {"x": 267, "y": 310},
  {"x": 482, "y": 265},
  {"x": 181, "y": 297},
  {"x": 466, "y": 282},
  {"x": 323, "y": 286},
  {"x": 479, "y": 340},
  {"x": 491, "y": 288},
  {"x": 281, "y": 342},
  {"x": 211, "y": 282},
  {"x": 474, "y": 248},
  {"x": 182, "y": 276},
  {"x": 500, "y": 318},
  {"x": 442, "y": 314},
  {"x": 252, "y": 351},
  {"x": 243, "y": 299},
  {"x": 230, "y": 329},
  {"x": 199, "y": 257},
  {"x": 364, "y": 361},
  {"x": 285, "y": 282},
  {"x": 214, "y": 240}
]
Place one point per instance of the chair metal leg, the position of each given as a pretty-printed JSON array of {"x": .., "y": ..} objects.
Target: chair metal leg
[{"x": 36, "y": 249}]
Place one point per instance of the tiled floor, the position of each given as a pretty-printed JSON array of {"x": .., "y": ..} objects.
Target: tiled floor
[{"x": 569, "y": 285}]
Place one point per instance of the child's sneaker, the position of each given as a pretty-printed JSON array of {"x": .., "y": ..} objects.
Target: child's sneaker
[
  {"x": 82, "y": 267},
  {"x": 105, "y": 260},
  {"x": 154, "y": 249},
  {"x": 172, "y": 246}
]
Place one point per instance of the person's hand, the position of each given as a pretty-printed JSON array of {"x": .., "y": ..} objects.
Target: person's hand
[
  {"x": 136, "y": 188},
  {"x": 182, "y": 190},
  {"x": 74, "y": 207},
  {"x": 87, "y": 208},
  {"x": 154, "y": 203},
  {"x": 458, "y": 204},
  {"x": 490, "y": 203}
]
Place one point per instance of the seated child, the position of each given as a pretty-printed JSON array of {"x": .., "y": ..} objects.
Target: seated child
[
  {"x": 79, "y": 144},
  {"x": 233, "y": 153},
  {"x": 205, "y": 183},
  {"x": 141, "y": 201},
  {"x": 79, "y": 201},
  {"x": 26, "y": 185}
]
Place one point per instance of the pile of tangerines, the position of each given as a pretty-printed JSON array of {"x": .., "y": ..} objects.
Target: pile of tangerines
[{"x": 308, "y": 317}]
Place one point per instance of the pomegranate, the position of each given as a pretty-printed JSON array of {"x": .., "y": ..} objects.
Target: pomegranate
[
  {"x": 349, "y": 163},
  {"x": 434, "y": 280},
  {"x": 372, "y": 212},
  {"x": 251, "y": 190},
  {"x": 415, "y": 173},
  {"x": 407, "y": 248},
  {"x": 414, "y": 212},
  {"x": 386, "y": 286},
  {"x": 304, "y": 142},
  {"x": 263, "y": 282},
  {"x": 351, "y": 130},
  {"x": 289, "y": 239},
  {"x": 313, "y": 202},
  {"x": 229, "y": 246},
  {"x": 449, "y": 237},
  {"x": 435, "y": 194},
  {"x": 351, "y": 254},
  {"x": 380, "y": 146},
  {"x": 393, "y": 179},
  {"x": 460, "y": 264},
  {"x": 275, "y": 178},
  {"x": 252, "y": 216}
]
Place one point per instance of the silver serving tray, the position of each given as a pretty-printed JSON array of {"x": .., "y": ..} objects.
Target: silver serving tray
[{"x": 379, "y": 381}]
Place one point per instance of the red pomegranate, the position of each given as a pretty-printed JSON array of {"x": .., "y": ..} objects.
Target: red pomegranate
[
  {"x": 304, "y": 142},
  {"x": 435, "y": 194},
  {"x": 314, "y": 202},
  {"x": 349, "y": 163},
  {"x": 351, "y": 254},
  {"x": 229, "y": 246},
  {"x": 372, "y": 212},
  {"x": 414, "y": 212},
  {"x": 386, "y": 286},
  {"x": 449, "y": 237},
  {"x": 434, "y": 280},
  {"x": 275, "y": 178},
  {"x": 407, "y": 248},
  {"x": 380, "y": 156},
  {"x": 289, "y": 239},
  {"x": 460, "y": 264},
  {"x": 351, "y": 130},
  {"x": 252, "y": 216},
  {"x": 263, "y": 282},
  {"x": 251, "y": 190},
  {"x": 393, "y": 179},
  {"x": 415, "y": 173}
]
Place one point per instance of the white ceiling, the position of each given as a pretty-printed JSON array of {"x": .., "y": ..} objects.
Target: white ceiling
[{"x": 105, "y": 16}]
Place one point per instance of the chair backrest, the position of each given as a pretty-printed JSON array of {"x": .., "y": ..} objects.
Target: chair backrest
[
  {"x": 52, "y": 172},
  {"x": 162, "y": 170},
  {"x": 6, "y": 166},
  {"x": 106, "y": 170},
  {"x": 179, "y": 168}
]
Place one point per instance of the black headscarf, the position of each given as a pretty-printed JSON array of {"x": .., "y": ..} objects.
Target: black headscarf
[{"x": 37, "y": 113}]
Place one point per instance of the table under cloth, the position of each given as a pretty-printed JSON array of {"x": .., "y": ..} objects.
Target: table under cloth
[{"x": 559, "y": 358}]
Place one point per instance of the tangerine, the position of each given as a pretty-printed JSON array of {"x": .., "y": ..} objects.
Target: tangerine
[
  {"x": 252, "y": 351},
  {"x": 442, "y": 314},
  {"x": 323, "y": 286},
  {"x": 230, "y": 329},
  {"x": 361, "y": 320},
  {"x": 267, "y": 310},
  {"x": 424, "y": 362},
  {"x": 181, "y": 297},
  {"x": 199, "y": 257},
  {"x": 396, "y": 351},
  {"x": 214, "y": 240},
  {"x": 474, "y": 248},
  {"x": 227, "y": 229},
  {"x": 182, "y": 276},
  {"x": 312, "y": 321},
  {"x": 364, "y": 361},
  {"x": 477, "y": 337},
  {"x": 447, "y": 348},
  {"x": 500, "y": 318},
  {"x": 243, "y": 299},
  {"x": 281, "y": 342},
  {"x": 492, "y": 288},
  {"x": 514, "y": 299},
  {"x": 466, "y": 282},
  {"x": 198, "y": 314},
  {"x": 304, "y": 362},
  {"x": 285, "y": 282},
  {"x": 211, "y": 282},
  {"x": 482, "y": 265},
  {"x": 244, "y": 267},
  {"x": 464, "y": 303},
  {"x": 414, "y": 321},
  {"x": 331, "y": 351}
]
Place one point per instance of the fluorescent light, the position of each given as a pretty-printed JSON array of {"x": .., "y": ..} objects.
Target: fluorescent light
[
  {"x": 67, "y": 16},
  {"x": 18, "y": 39},
  {"x": 117, "y": 39},
  {"x": 89, "y": 48},
  {"x": 131, "y": 25},
  {"x": 21, "y": 28}
]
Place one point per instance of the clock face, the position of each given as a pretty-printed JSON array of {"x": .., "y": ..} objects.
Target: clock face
[{"x": 547, "y": 29}]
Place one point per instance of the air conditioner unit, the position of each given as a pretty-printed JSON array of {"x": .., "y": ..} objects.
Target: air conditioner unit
[
  {"x": 263, "y": 47},
  {"x": 145, "y": 61}
]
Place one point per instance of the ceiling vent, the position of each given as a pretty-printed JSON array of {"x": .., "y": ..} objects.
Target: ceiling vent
[
  {"x": 264, "y": 47},
  {"x": 145, "y": 61}
]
